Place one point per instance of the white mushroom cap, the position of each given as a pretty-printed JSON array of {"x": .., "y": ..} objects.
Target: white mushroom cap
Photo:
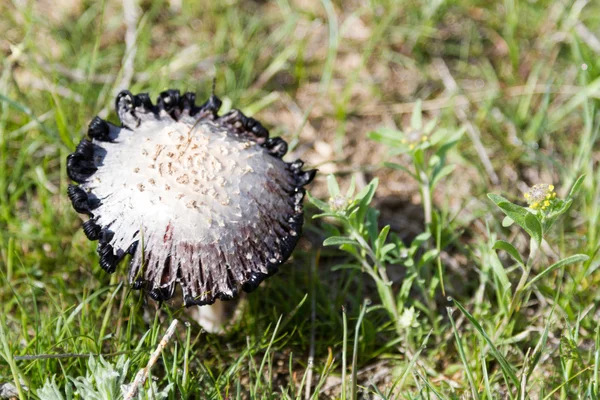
[{"x": 196, "y": 199}]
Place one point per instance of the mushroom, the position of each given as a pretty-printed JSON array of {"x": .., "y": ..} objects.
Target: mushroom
[{"x": 197, "y": 199}]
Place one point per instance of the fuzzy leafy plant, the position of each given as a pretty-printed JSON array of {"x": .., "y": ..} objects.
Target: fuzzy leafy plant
[
  {"x": 543, "y": 210},
  {"x": 354, "y": 229},
  {"x": 427, "y": 145},
  {"x": 103, "y": 381}
]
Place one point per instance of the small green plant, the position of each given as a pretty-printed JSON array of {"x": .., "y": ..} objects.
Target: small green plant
[
  {"x": 355, "y": 230},
  {"x": 427, "y": 145},
  {"x": 543, "y": 210}
]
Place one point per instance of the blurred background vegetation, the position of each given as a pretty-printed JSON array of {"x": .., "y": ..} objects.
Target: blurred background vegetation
[{"x": 514, "y": 87}]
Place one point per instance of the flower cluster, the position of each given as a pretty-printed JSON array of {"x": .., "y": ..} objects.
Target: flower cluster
[
  {"x": 540, "y": 196},
  {"x": 414, "y": 138},
  {"x": 339, "y": 202}
]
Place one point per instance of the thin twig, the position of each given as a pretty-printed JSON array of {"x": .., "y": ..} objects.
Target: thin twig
[
  {"x": 130, "y": 15},
  {"x": 588, "y": 37},
  {"x": 142, "y": 374},
  {"x": 33, "y": 82},
  {"x": 469, "y": 97},
  {"x": 78, "y": 75}
]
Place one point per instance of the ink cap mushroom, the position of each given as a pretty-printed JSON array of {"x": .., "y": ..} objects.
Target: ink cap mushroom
[{"x": 198, "y": 200}]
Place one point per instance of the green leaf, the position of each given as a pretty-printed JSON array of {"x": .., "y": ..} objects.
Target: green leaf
[
  {"x": 435, "y": 161},
  {"x": 502, "y": 282},
  {"x": 428, "y": 256},
  {"x": 563, "y": 208},
  {"x": 504, "y": 365},
  {"x": 386, "y": 249},
  {"x": 405, "y": 289},
  {"x": 338, "y": 241},
  {"x": 447, "y": 170},
  {"x": 416, "y": 122},
  {"x": 396, "y": 149},
  {"x": 576, "y": 187},
  {"x": 564, "y": 262},
  {"x": 420, "y": 239},
  {"x": 371, "y": 224},
  {"x": 366, "y": 195},
  {"x": 417, "y": 242},
  {"x": 329, "y": 214},
  {"x": 352, "y": 187},
  {"x": 462, "y": 355},
  {"x": 449, "y": 140},
  {"x": 391, "y": 137},
  {"x": 510, "y": 249},
  {"x": 321, "y": 205},
  {"x": 388, "y": 133},
  {"x": 438, "y": 136},
  {"x": 428, "y": 128},
  {"x": 332, "y": 185},
  {"x": 419, "y": 158},
  {"x": 507, "y": 221},
  {"x": 520, "y": 215},
  {"x": 382, "y": 237},
  {"x": 401, "y": 168}
]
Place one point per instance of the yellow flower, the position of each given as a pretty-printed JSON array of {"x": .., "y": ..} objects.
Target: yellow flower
[{"x": 538, "y": 197}]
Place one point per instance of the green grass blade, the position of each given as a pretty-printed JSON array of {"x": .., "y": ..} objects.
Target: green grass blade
[
  {"x": 411, "y": 364},
  {"x": 562, "y": 263},
  {"x": 504, "y": 364},
  {"x": 363, "y": 311},
  {"x": 462, "y": 355}
]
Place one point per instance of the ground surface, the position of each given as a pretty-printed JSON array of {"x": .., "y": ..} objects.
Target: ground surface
[{"x": 520, "y": 80}]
